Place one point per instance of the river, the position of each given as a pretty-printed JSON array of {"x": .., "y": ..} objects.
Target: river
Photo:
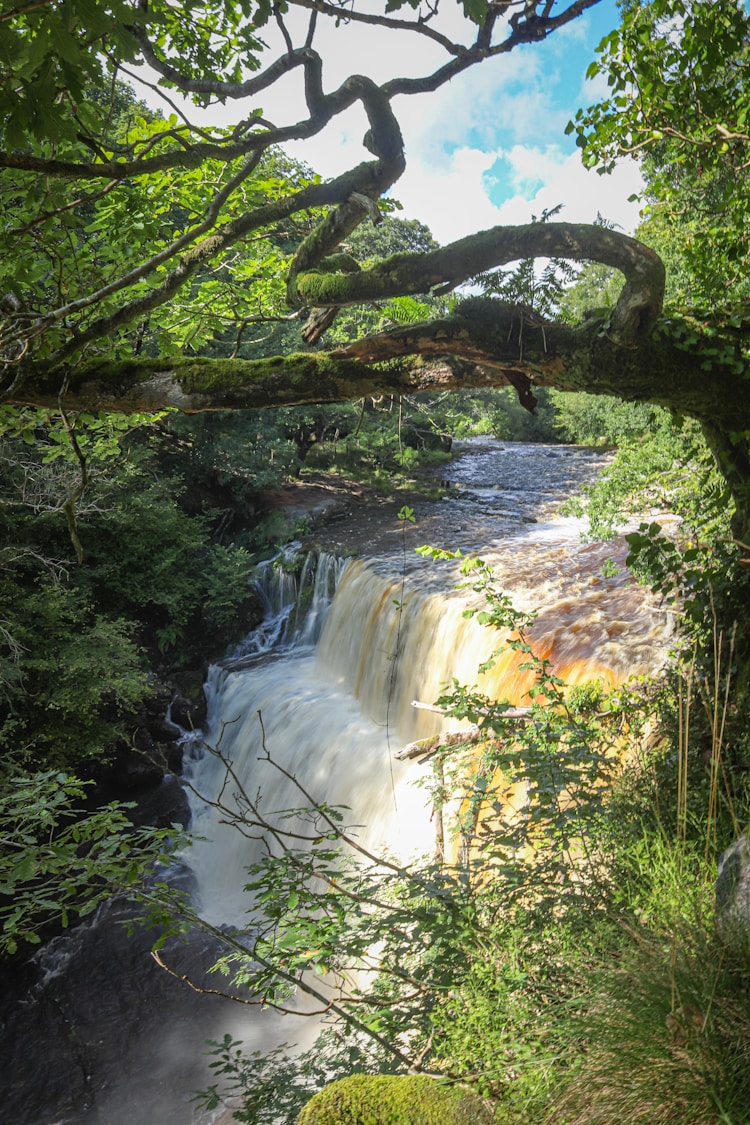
[{"x": 95, "y": 1032}]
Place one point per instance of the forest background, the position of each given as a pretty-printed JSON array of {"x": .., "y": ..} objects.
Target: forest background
[{"x": 136, "y": 245}]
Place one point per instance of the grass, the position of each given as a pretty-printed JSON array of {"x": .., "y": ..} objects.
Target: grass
[{"x": 664, "y": 1027}]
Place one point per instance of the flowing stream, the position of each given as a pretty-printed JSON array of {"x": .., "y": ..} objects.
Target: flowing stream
[{"x": 100, "y": 1035}]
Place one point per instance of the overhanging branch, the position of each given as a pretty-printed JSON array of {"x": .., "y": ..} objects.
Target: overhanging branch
[
  {"x": 631, "y": 321},
  {"x": 478, "y": 346}
]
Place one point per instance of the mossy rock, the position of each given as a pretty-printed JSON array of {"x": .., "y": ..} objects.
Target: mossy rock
[{"x": 387, "y": 1099}]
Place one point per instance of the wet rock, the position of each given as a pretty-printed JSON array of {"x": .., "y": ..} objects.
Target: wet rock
[
  {"x": 93, "y": 1031},
  {"x": 141, "y": 765},
  {"x": 189, "y": 714},
  {"x": 163, "y": 805},
  {"x": 187, "y": 705}
]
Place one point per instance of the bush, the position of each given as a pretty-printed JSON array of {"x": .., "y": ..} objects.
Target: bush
[
  {"x": 60, "y": 861},
  {"x": 601, "y": 419},
  {"x": 71, "y": 679}
]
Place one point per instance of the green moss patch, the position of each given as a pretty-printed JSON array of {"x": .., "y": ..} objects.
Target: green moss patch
[{"x": 386, "y": 1099}]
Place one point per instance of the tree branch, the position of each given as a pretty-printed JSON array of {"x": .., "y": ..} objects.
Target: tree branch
[
  {"x": 633, "y": 318},
  {"x": 369, "y": 180},
  {"x": 476, "y": 347},
  {"x": 350, "y": 15}
]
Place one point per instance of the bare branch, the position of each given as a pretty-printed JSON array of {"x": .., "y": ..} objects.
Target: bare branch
[{"x": 351, "y": 15}]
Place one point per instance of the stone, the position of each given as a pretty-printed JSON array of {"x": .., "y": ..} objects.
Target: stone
[
  {"x": 388, "y": 1099},
  {"x": 732, "y": 888}
]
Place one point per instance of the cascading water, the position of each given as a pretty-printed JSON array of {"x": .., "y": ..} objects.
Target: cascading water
[
  {"x": 295, "y": 590},
  {"x": 325, "y": 688},
  {"x": 297, "y": 712}
]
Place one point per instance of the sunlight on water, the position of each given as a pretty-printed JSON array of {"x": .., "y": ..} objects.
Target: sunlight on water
[
  {"x": 335, "y": 717},
  {"x": 318, "y": 732}
]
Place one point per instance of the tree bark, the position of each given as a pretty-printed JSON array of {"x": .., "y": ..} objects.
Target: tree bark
[
  {"x": 484, "y": 344},
  {"x": 683, "y": 362},
  {"x": 634, "y": 316}
]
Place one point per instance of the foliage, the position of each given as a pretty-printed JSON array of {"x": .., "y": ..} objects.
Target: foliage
[
  {"x": 70, "y": 677},
  {"x": 595, "y": 289},
  {"x": 666, "y": 470},
  {"x": 678, "y": 99},
  {"x": 53, "y": 54},
  {"x": 69, "y": 240},
  {"x": 58, "y": 861},
  {"x": 144, "y": 557},
  {"x": 541, "y": 289},
  {"x": 140, "y": 552},
  {"x": 602, "y": 420},
  {"x": 383, "y": 442},
  {"x": 72, "y": 666}
]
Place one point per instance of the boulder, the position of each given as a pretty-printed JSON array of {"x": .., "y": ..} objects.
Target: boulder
[
  {"x": 387, "y": 1099},
  {"x": 732, "y": 886}
]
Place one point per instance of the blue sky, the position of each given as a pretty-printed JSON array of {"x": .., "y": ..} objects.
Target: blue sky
[{"x": 550, "y": 78}]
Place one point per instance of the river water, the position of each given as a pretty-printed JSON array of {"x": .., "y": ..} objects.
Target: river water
[{"x": 96, "y": 1033}]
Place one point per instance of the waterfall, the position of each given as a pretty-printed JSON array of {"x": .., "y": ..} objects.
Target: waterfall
[
  {"x": 288, "y": 703},
  {"x": 295, "y": 590},
  {"x": 335, "y": 715}
]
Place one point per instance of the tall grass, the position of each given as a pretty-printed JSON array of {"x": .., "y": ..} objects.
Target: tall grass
[{"x": 664, "y": 1025}]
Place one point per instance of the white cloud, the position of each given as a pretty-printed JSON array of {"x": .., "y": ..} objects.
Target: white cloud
[
  {"x": 497, "y": 128},
  {"x": 454, "y": 197},
  {"x": 451, "y": 199},
  {"x": 584, "y": 194}
]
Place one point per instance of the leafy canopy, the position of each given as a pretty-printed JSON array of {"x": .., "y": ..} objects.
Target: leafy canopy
[
  {"x": 679, "y": 102},
  {"x": 117, "y": 212},
  {"x": 53, "y": 53}
]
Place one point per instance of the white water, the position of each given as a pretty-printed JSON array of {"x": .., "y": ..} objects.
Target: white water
[
  {"x": 296, "y": 705},
  {"x": 334, "y": 716}
]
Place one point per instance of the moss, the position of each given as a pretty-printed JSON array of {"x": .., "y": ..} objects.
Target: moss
[
  {"x": 274, "y": 380},
  {"x": 210, "y": 376},
  {"x": 334, "y": 282},
  {"x": 385, "y": 1099},
  {"x": 338, "y": 263}
]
